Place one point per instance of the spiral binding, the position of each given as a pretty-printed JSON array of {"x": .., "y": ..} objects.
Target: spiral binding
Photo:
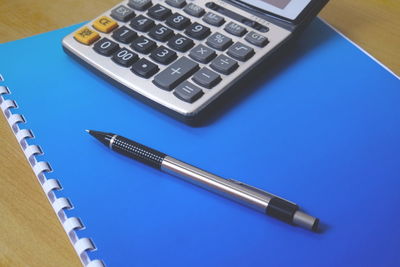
[{"x": 41, "y": 168}]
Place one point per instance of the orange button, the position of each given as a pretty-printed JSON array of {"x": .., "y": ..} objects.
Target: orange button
[
  {"x": 86, "y": 36},
  {"x": 105, "y": 24}
]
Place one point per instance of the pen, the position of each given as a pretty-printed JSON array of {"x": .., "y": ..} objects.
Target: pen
[{"x": 255, "y": 198}]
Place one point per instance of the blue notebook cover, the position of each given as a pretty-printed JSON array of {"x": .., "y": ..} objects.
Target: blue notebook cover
[{"x": 320, "y": 126}]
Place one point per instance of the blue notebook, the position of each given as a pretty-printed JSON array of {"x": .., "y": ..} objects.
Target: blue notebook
[{"x": 320, "y": 126}]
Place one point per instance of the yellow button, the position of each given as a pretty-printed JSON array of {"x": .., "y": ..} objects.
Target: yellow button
[
  {"x": 105, "y": 24},
  {"x": 86, "y": 36}
]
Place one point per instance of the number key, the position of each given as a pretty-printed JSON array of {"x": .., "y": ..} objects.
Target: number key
[
  {"x": 143, "y": 45},
  {"x": 177, "y": 21},
  {"x": 141, "y": 23},
  {"x": 197, "y": 31},
  {"x": 124, "y": 35},
  {"x": 181, "y": 43},
  {"x": 163, "y": 55},
  {"x": 159, "y": 12},
  {"x": 105, "y": 47},
  {"x": 161, "y": 33},
  {"x": 124, "y": 57}
]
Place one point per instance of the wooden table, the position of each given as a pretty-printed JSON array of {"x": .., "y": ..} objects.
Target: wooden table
[{"x": 30, "y": 234}]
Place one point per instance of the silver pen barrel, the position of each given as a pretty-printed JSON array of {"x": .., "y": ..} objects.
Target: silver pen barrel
[{"x": 250, "y": 196}]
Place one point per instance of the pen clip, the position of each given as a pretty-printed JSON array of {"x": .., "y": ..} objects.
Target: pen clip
[{"x": 257, "y": 190}]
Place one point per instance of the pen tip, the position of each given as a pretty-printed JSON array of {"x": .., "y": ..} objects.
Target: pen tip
[{"x": 88, "y": 131}]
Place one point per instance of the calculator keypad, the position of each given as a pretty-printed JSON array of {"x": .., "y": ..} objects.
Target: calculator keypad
[
  {"x": 124, "y": 35},
  {"x": 142, "y": 23},
  {"x": 122, "y": 13},
  {"x": 105, "y": 47},
  {"x": 182, "y": 49},
  {"x": 159, "y": 12},
  {"x": 176, "y": 73},
  {"x": 139, "y": 5}
]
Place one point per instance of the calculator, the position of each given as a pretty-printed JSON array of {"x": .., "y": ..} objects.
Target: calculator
[{"x": 180, "y": 56}]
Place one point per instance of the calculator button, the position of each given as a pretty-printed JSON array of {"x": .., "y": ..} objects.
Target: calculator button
[
  {"x": 124, "y": 35},
  {"x": 161, "y": 33},
  {"x": 177, "y": 21},
  {"x": 143, "y": 45},
  {"x": 140, "y": 5},
  {"x": 86, "y": 36},
  {"x": 176, "y": 3},
  {"x": 176, "y": 73},
  {"x": 188, "y": 92},
  {"x": 124, "y": 57},
  {"x": 144, "y": 68},
  {"x": 202, "y": 53},
  {"x": 159, "y": 12},
  {"x": 256, "y": 39},
  {"x": 206, "y": 78},
  {"x": 219, "y": 41},
  {"x": 235, "y": 29},
  {"x": 122, "y": 13},
  {"x": 105, "y": 24},
  {"x": 180, "y": 43},
  {"x": 163, "y": 55},
  {"x": 213, "y": 19},
  {"x": 197, "y": 31},
  {"x": 224, "y": 64},
  {"x": 240, "y": 51},
  {"x": 194, "y": 10},
  {"x": 141, "y": 23},
  {"x": 105, "y": 47}
]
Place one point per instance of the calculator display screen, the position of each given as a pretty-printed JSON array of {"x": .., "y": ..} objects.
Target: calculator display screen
[{"x": 285, "y": 8}]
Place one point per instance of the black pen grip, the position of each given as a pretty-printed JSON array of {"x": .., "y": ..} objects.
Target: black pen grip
[{"x": 138, "y": 152}]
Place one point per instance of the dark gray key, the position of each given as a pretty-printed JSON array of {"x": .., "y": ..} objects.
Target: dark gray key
[
  {"x": 202, "y": 53},
  {"x": 206, "y": 78},
  {"x": 224, "y": 64},
  {"x": 176, "y": 73},
  {"x": 213, "y": 19},
  {"x": 176, "y": 3},
  {"x": 139, "y": 4},
  {"x": 256, "y": 39},
  {"x": 188, "y": 92},
  {"x": 194, "y": 10},
  {"x": 122, "y": 13},
  {"x": 235, "y": 29},
  {"x": 240, "y": 51},
  {"x": 219, "y": 41}
]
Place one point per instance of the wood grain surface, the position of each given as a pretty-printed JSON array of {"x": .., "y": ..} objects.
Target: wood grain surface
[{"x": 30, "y": 233}]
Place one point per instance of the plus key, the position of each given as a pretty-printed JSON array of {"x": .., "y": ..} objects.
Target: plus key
[{"x": 176, "y": 73}]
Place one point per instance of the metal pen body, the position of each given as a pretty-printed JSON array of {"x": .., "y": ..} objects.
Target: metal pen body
[
  {"x": 255, "y": 198},
  {"x": 225, "y": 187}
]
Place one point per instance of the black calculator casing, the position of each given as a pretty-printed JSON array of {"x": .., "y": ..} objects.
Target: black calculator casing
[{"x": 255, "y": 19}]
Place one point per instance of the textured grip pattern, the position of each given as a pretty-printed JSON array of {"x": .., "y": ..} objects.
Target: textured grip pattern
[{"x": 138, "y": 152}]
